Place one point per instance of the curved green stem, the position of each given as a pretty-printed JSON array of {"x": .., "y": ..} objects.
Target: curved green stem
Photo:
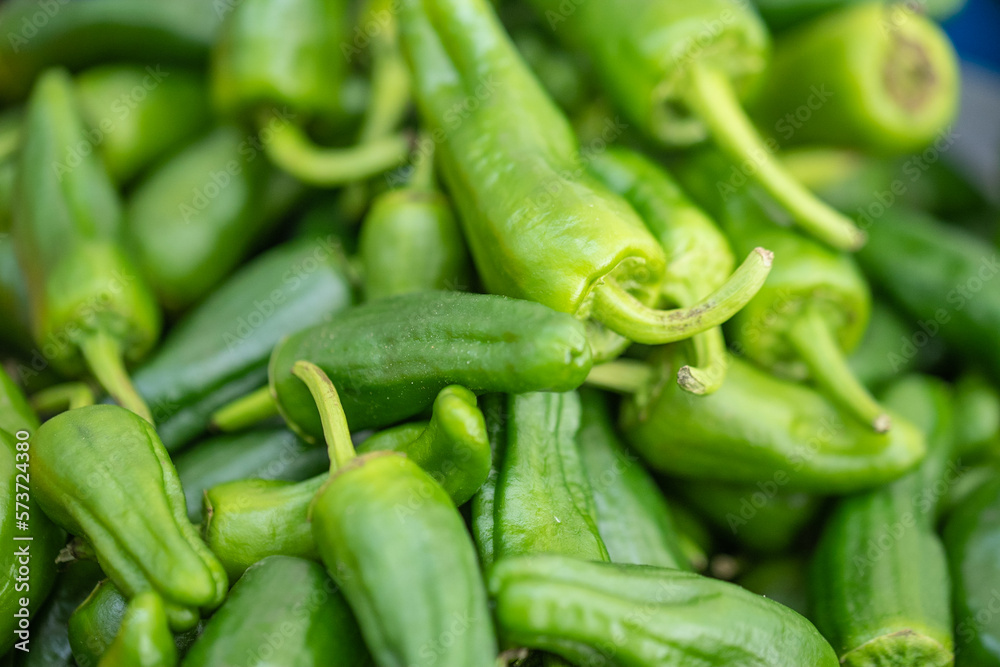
[
  {"x": 390, "y": 77},
  {"x": 622, "y": 376},
  {"x": 711, "y": 97},
  {"x": 812, "y": 339},
  {"x": 245, "y": 411},
  {"x": 67, "y": 396},
  {"x": 621, "y": 312},
  {"x": 711, "y": 363},
  {"x": 104, "y": 357},
  {"x": 331, "y": 413},
  {"x": 291, "y": 149}
]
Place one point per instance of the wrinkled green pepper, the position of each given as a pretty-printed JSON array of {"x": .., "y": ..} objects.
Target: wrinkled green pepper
[
  {"x": 136, "y": 523},
  {"x": 90, "y": 308},
  {"x": 138, "y": 114},
  {"x": 373, "y": 521},
  {"x": 635, "y": 616},
  {"x": 538, "y": 225},
  {"x": 633, "y": 518},
  {"x": 879, "y": 580},
  {"x": 192, "y": 220},
  {"x": 679, "y": 71},
  {"x": 758, "y": 427},
  {"x": 219, "y": 351},
  {"x": 283, "y": 612}
]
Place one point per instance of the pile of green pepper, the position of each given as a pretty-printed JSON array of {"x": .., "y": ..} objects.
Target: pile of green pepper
[{"x": 458, "y": 333}]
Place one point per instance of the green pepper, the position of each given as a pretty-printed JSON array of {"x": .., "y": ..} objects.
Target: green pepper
[
  {"x": 635, "y": 616},
  {"x": 136, "y": 523},
  {"x": 759, "y": 428},
  {"x": 283, "y": 612},
  {"x": 971, "y": 538},
  {"x": 249, "y": 519},
  {"x": 781, "y": 14},
  {"x": 194, "y": 218},
  {"x": 391, "y": 357},
  {"x": 139, "y": 114},
  {"x": 219, "y": 351},
  {"x": 95, "y": 623},
  {"x": 89, "y": 307},
  {"x": 678, "y": 70},
  {"x": 374, "y": 521},
  {"x": 144, "y": 639},
  {"x": 32, "y": 540},
  {"x": 40, "y": 34},
  {"x": 699, "y": 259},
  {"x": 879, "y": 583},
  {"x": 633, "y": 519},
  {"x": 941, "y": 276},
  {"x": 877, "y": 77},
  {"x": 290, "y": 55},
  {"x": 814, "y": 306},
  {"x": 888, "y": 351},
  {"x": 273, "y": 453},
  {"x": 538, "y": 226}
]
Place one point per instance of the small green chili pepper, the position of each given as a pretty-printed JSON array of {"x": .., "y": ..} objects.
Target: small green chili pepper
[
  {"x": 679, "y": 70},
  {"x": 89, "y": 307},
  {"x": 538, "y": 226},
  {"x": 373, "y": 521},
  {"x": 635, "y": 616},
  {"x": 633, "y": 518},
  {"x": 137, "y": 522},
  {"x": 144, "y": 639},
  {"x": 283, "y": 612},
  {"x": 879, "y": 581},
  {"x": 194, "y": 218}
]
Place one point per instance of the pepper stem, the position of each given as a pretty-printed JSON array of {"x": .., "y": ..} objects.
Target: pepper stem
[
  {"x": 621, "y": 312},
  {"x": 294, "y": 152},
  {"x": 331, "y": 413},
  {"x": 622, "y": 376},
  {"x": 814, "y": 342},
  {"x": 104, "y": 357},
  {"x": 711, "y": 363},
  {"x": 710, "y": 95},
  {"x": 66, "y": 396},
  {"x": 245, "y": 411}
]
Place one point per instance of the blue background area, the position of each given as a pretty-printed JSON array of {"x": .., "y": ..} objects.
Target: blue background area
[{"x": 976, "y": 32}]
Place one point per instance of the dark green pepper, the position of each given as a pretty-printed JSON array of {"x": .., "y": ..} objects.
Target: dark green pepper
[
  {"x": 283, "y": 612},
  {"x": 633, "y": 518},
  {"x": 678, "y": 70},
  {"x": 250, "y": 519},
  {"x": 219, "y": 351},
  {"x": 94, "y": 624},
  {"x": 879, "y": 582},
  {"x": 139, "y": 114},
  {"x": 373, "y": 522},
  {"x": 89, "y": 307},
  {"x": 758, "y": 427},
  {"x": 878, "y": 77},
  {"x": 635, "y": 616},
  {"x": 136, "y": 523},
  {"x": 538, "y": 226},
  {"x": 194, "y": 218}
]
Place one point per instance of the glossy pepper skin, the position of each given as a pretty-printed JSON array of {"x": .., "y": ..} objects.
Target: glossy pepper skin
[
  {"x": 249, "y": 519},
  {"x": 622, "y": 488},
  {"x": 971, "y": 539},
  {"x": 889, "y": 80},
  {"x": 79, "y": 34},
  {"x": 538, "y": 226},
  {"x": 372, "y": 534},
  {"x": 590, "y": 613},
  {"x": 390, "y": 358},
  {"x": 759, "y": 427},
  {"x": 89, "y": 305},
  {"x": 881, "y": 602},
  {"x": 140, "y": 114},
  {"x": 294, "y": 596},
  {"x": 136, "y": 523},
  {"x": 144, "y": 639},
  {"x": 193, "y": 219},
  {"x": 219, "y": 351},
  {"x": 939, "y": 274}
]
